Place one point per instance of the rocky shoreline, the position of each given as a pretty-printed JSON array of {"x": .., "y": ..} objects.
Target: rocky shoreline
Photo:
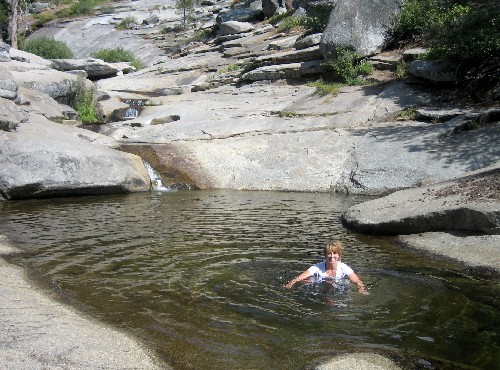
[
  {"x": 258, "y": 124},
  {"x": 37, "y": 332}
]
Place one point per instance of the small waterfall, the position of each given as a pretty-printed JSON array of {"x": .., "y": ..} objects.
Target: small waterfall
[
  {"x": 135, "y": 107},
  {"x": 155, "y": 178}
]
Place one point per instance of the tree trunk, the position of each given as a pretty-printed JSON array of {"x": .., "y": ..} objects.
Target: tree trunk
[{"x": 13, "y": 22}]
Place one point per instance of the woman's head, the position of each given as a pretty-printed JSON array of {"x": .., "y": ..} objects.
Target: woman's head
[{"x": 335, "y": 246}]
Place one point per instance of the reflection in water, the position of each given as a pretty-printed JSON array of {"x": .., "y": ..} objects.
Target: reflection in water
[{"x": 199, "y": 277}]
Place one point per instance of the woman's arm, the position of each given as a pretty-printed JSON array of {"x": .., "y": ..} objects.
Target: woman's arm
[
  {"x": 356, "y": 280},
  {"x": 302, "y": 276}
]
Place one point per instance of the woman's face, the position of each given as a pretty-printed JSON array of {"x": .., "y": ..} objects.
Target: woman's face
[{"x": 332, "y": 257}]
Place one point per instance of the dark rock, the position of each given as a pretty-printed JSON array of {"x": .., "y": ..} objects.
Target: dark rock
[
  {"x": 240, "y": 15},
  {"x": 432, "y": 70}
]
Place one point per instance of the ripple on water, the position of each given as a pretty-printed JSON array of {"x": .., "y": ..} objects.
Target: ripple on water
[{"x": 200, "y": 275}]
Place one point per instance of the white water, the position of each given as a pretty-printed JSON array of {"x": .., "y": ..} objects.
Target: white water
[{"x": 156, "y": 180}]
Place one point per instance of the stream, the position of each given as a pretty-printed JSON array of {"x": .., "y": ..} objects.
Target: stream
[{"x": 198, "y": 277}]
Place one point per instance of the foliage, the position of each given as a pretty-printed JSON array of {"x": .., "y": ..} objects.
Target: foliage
[
  {"x": 116, "y": 55},
  {"x": 47, "y": 47},
  {"x": 80, "y": 7},
  {"x": 186, "y": 7},
  {"x": 348, "y": 68},
  {"x": 287, "y": 114},
  {"x": 84, "y": 101},
  {"x": 4, "y": 18},
  {"x": 125, "y": 23},
  {"x": 466, "y": 33},
  {"x": 324, "y": 87},
  {"x": 289, "y": 22},
  {"x": 401, "y": 69},
  {"x": 409, "y": 113}
]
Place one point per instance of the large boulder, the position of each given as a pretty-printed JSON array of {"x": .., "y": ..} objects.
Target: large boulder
[
  {"x": 42, "y": 159},
  {"x": 358, "y": 25},
  {"x": 469, "y": 203}
]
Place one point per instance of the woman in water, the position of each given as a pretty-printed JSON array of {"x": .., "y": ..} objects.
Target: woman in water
[{"x": 331, "y": 268}]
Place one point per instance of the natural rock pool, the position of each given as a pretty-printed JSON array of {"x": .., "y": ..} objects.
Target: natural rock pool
[{"x": 198, "y": 276}]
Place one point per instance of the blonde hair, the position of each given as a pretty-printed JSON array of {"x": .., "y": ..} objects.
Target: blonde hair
[{"x": 335, "y": 246}]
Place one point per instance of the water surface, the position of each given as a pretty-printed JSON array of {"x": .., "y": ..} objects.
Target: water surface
[{"x": 198, "y": 276}]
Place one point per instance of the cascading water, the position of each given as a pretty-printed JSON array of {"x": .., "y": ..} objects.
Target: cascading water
[
  {"x": 156, "y": 180},
  {"x": 135, "y": 107}
]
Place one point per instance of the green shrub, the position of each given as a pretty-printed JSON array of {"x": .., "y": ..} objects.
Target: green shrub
[
  {"x": 324, "y": 87},
  {"x": 48, "y": 48},
  {"x": 466, "y": 33},
  {"x": 116, "y": 55},
  {"x": 81, "y": 7},
  {"x": 125, "y": 23},
  {"x": 348, "y": 68},
  {"x": 312, "y": 24},
  {"x": 84, "y": 101}
]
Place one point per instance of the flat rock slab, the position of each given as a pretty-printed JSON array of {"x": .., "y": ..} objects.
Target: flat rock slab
[
  {"x": 470, "y": 203},
  {"x": 473, "y": 250}
]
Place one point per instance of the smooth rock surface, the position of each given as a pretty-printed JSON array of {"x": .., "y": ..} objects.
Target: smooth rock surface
[
  {"x": 469, "y": 203},
  {"x": 358, "y": 25},
  {"x": 45, "y": 159},
  {"x": 36, "y": 332},
  {"x": 472, "y": 250}
]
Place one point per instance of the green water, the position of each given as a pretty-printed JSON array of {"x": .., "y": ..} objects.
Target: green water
[{"x": 198, "y": 276}]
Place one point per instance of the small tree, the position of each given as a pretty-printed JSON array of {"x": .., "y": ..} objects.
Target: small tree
[{"x": 186, "y": 7}]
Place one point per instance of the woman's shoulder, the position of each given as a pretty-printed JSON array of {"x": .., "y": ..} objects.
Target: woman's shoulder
[
  {"x": 318, "y": 266},
  {"x": 345, "y": 267}
]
